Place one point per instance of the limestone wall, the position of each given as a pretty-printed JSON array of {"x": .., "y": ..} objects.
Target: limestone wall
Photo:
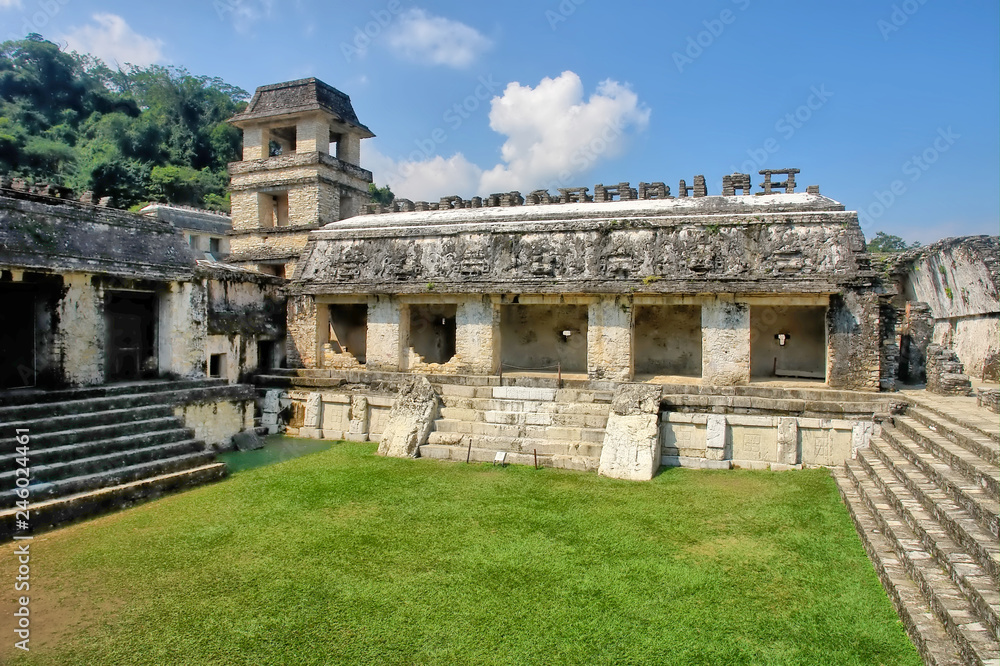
[
  {"x": 958, "y": 279},
  {"x": 216, "y": 422},
  {"x": 760, "y": 442},
  {"x": 706, "y": 245}
]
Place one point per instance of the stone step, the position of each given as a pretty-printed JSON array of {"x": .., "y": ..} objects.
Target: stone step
[
  {"x": 927, "y": 633},
  {"x": 976, "y": 419},
  {"x": 459, "y": 454},
  {"x": 103, "y": 462},
  {"x": 978, "y": 584},
  {"x": 22, "y": 397},
  {"x": 524, "y": 445},
  {"x": 776, "y": 405},
  {"x": 559, "y": 433},
  {"x": 975, "y": 641},
  {"x": 490, "y": 404},
  {"x": 959, "y": 458},
  {"x": 48, "y": 410},
  {"x": 526, "y": 418},
  {"x": 91, "y": 420},
  {"x": 972, "y": 440},
  {"x": 935, "y": 479},
  {"x": 47, "y": 440},
  {"x": 52, "y": 513},
  {"x": 92, "y": 447},
  {"x": 108, "y": 478},
  {"x": 759, "y": 391}
]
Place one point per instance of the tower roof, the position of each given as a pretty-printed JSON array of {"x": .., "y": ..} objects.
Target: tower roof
[{"x": 300, "y": 96}]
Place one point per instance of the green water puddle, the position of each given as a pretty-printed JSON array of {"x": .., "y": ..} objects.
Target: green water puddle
[{"x": 276, "y": 449}]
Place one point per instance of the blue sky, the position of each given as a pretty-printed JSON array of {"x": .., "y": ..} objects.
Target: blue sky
[{"x": 890, "y": 106}]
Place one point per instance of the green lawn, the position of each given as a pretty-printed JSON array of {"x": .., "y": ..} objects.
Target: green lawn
[{"x": 345, "y": 557}]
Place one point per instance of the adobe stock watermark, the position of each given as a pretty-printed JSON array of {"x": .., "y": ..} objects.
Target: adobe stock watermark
[
  {"x": 562, "y": 12},
  {"x": 370, "y": 31},
  {"x": 36, "y": 21},
  {"x": 697, "y": 44},
  {"x": 899, "y": 17},
  {"x": 453, "y": 118},
  {"x": 786, "y": 127},
  {"x": 914, "y": 168}
]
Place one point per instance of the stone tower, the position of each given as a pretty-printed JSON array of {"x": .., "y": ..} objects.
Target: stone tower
[{"x": 300, "y": 170}]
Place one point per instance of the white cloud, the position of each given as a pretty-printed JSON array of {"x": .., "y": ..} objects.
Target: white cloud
[
  {"x": 552, "y": 135},
  {"x": 245, "y": 13},
  {"x": 436, "y": 40},
  {"x": 10, "y": 4},
  {"x": 112, "y": 40}
]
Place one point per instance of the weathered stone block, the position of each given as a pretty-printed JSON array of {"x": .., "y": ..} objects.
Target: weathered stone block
[
  {"x": 410, "y": 420},
  {"x": 631, "y": 440}
]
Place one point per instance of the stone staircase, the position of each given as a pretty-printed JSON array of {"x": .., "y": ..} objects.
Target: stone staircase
[
  {"x": 565, "y": 427},
  {"x": 924, "y": 499},
  {"x": 94, "y": 450}
]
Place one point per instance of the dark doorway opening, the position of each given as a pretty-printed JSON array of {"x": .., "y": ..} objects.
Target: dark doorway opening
[
  {"x": 432, "y": 332},
  {"x": 131, "y": 336},
  {"x": 17, "y": 338}
]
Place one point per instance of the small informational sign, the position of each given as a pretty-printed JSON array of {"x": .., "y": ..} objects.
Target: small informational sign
[{"x": 500, "y": 457}]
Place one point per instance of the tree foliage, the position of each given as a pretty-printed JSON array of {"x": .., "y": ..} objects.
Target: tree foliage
[
  {"x": 381, "y": 195},
  {"x": 884, "y": 242},
  {"x": 134, "y": 133}
]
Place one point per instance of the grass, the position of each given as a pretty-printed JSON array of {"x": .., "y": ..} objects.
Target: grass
[{"x": 345, "y": 557}]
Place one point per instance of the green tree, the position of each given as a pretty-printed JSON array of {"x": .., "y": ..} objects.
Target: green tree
[
  {"x": 381, "y": 195},
  {"x": 884, "y": 242}
]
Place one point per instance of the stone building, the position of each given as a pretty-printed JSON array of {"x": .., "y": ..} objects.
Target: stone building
[
  {"x": 616, "y": 331},
  {"x": 300, "y": 170},
  {"x": 718, "y": 290},
  {"x": 205, "y": 232}
]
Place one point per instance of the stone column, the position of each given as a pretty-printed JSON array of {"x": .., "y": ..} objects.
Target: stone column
[
  {"x": 384, "y": 340},
  {"x": 609, "y": 339},
  {"x": 80, "y": 331},
  {"x": 725, "y": 343},
  {"x": 255, "y": 143},
  {"x": 303, "y": 334},
  {"x": 312, "y": 135},
  {"x": 349, "y": 149},
  {"x": 477, "y": 336}
]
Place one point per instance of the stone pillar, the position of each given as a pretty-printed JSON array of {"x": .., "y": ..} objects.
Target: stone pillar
[
  {"x": 384, "y": 341},
  {"x": 477, "y": 337},
  {"x": 302, "y": 344},
  {"x": 609, "y": 339},
  {"x": 312, "y": 135},
  {"x": 854, "y": 339},
  {"x": 725, "y": 346},
  {"x": 182, "y": 329},
  {"x": 80, "y": 331},
  {"x": 255, "y": 143},
  {"x": 349, "y": 149}
]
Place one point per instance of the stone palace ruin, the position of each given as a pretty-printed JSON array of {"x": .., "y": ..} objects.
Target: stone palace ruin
[{"x": 616, "y": 330}]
